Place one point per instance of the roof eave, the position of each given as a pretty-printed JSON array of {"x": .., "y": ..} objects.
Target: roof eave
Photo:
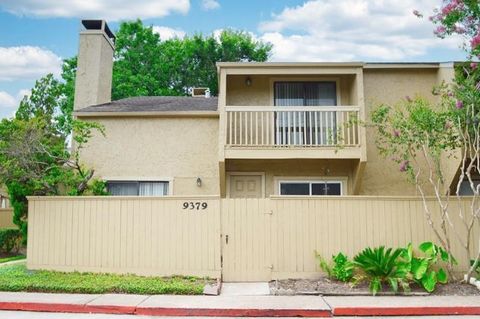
[
  {"x": 287, "y": 64},
  {"x": 206, "y": 114}
]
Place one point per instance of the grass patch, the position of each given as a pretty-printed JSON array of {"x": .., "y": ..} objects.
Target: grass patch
[
  {"x": 19, "y": 278},
  {"x": 7, "y": 259}
]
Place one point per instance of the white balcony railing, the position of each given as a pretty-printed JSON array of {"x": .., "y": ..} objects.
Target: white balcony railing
[{"x": 297, "y": 126}]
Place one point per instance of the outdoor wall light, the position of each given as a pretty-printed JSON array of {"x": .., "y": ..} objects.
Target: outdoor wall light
[
  {"x": 199, "y": 182},
  {"x": 248, "y": 81}
]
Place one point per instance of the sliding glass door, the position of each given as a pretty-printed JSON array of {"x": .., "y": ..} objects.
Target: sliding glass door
[{"x": 312, "y": 127}]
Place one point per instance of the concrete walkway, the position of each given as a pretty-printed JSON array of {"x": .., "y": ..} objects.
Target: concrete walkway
[
  {"x": 240, "y": 306},
  {"x": 245, "y": 289}
]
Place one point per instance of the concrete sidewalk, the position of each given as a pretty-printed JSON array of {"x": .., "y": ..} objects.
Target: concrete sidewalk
[{"x": 240, "y": 306}]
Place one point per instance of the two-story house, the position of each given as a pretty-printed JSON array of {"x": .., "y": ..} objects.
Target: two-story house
[{"x": 274, "y": 129}]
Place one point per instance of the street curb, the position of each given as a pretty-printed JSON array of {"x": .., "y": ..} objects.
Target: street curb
[
  {"x": 166, "y": 312},
  {"x": 405, "y": 311},
  {"x": 14, "y": 262},
  {"x": 179, "y": 312},
  {"x": 221, "y": 312}
]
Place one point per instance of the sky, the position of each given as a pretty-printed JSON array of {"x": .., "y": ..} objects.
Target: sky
[{"x": 35, "y": 35}]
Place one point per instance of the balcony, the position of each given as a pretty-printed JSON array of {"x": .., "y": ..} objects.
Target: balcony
[{"x": 292, "y": 132}]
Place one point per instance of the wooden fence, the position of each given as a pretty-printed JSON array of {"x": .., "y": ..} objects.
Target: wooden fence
[
  {"x": 142, "y": 235},
  {"x": 242, "y": 239},
  {"x": 6, "y": 218},
  {"x": 276, "y": 238}
]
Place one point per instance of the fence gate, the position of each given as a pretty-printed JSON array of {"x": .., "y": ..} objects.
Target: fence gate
[{"x": 246, "y": 240}]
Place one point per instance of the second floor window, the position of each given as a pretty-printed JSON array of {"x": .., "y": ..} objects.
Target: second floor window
[
  {"x": 313, "y": 126},
  {"x": 305, "y": 94}
]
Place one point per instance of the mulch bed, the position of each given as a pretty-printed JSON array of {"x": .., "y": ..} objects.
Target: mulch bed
[{"x": 327, "y": 287}]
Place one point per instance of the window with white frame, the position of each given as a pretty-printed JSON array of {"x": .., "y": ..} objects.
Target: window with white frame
[
  {"x": 310, "y": 188},
  {"x": 138, "y": 188}
]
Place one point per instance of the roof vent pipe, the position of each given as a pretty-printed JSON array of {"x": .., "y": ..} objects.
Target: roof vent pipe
[{"x": 201, "y": 92}]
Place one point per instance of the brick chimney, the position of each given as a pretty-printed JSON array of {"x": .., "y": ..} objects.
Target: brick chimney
[{"x": 93, "y": 84}]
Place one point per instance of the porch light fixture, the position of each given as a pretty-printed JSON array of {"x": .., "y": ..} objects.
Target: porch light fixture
[
  {"x": 248, "y": 81},
  {"x": 199, "y": 182}
]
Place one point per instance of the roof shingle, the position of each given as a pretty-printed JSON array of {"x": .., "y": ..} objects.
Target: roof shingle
[{"x": 156, "y": 104}]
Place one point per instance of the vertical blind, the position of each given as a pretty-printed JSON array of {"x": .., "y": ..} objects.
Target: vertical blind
[
  {"x": 153, "y": 189},
  {"x": 305, "y": 94},
  {"x": 134, "y": 188},
  {"x": 290, "y": 125}
]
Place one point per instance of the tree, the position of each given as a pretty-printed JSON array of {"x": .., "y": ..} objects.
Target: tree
[
  {"x": 34, "y": 158},
  {"x": 145, "y": 65},
  {"x": 417, "y": 134},
  {"x": 460, "y": 17}
]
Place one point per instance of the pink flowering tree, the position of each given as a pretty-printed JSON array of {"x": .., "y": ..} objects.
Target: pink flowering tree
[
  {"x": 460, "y": 17},
  {"x": 415, "y": 135},
  {"x": 418, "y": 136}
]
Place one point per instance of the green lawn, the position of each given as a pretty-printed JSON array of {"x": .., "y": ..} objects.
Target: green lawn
[
  {"x": 18, "y": 278},
  {"x": 7, "y": 259}
]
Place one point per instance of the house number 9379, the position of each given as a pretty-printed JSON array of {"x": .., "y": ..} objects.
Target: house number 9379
[{"x": 195, "y": 205}]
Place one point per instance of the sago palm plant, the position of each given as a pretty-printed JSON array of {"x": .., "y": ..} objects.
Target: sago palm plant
[{"x": 379, "y": 266}]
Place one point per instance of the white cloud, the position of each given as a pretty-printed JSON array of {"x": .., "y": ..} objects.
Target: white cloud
[
  {"x": 97, "y": 9},
  {"x": 22, "y": 93},
  {"x": 7, "y": 101},
  {"x": 331, "y": 30},
  {"x": 210, "y": 4},
  {"x": 167, "y": 33},
  {"x": 27, "y": 62}
]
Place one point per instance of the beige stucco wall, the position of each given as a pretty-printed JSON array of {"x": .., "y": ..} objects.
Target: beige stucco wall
[
  {"x": 93, "y": 84},
  {"x": 181, "y": 149},
  {"x": 260, "y": 92},
  {"x": 381, "y": 176},
  {"x": 389, "y": 86},
  {"x": 274, "y": 170}
]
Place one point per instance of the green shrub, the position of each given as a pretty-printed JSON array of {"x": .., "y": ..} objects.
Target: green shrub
[
  {"x": 477, "y": 269},
  {"x": 399, "y": 267},
  {"x": 380, "y": 266},
  {"x": 98, "y": 188},
  {"x": 10, "y": 240},
  {"x": 340, "y": 268},
  {"x": 343, "y": 268},
  {"x": 19, "y": 278},
  {"x": 425, "y": 270}
]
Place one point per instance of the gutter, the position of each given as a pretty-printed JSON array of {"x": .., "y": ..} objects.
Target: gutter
[{"x": 167, "y": 114}]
